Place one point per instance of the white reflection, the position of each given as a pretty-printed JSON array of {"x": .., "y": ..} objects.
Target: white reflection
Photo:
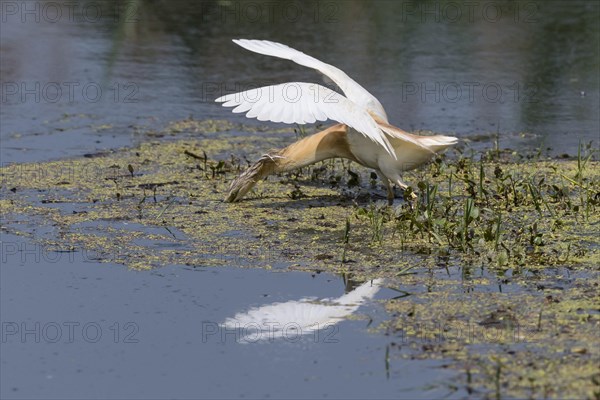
[{"x": 295, "y": 318}]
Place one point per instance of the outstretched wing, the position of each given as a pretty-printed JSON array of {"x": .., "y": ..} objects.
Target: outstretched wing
[
  {"x": 302, "y": 103},
  {"x": 353, "y": 91}
]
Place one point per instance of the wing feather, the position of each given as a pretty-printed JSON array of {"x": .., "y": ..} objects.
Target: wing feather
[
  {"x": 353, "y": 91},
  {"x": 307, "y": 103}
]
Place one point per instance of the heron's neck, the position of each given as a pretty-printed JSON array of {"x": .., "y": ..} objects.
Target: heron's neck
[{"x": 330, "y": 143}]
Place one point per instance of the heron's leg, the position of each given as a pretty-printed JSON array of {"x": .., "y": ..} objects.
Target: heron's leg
[
  {"x": 394, "y": 177},
  {"x": 404, "y": 186},
  {"x": 389, "y": 187}
]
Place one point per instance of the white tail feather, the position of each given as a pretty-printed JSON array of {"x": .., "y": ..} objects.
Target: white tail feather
[{"x": 438, "y": 143}]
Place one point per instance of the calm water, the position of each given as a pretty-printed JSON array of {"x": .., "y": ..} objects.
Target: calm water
[
  {"x": 73, "y": 328},
  {"x": 91, "y": 75}
]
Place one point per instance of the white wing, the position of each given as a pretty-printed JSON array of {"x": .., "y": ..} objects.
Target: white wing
[
  {"x": 302, "y": 103},
  {"x": 351, "y": 89},
  {"x": 278, "y": 320}
]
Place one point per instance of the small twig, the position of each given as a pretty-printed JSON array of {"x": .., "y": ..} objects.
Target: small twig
[
  {"x": 189, "y": 153},
  {"x": 165, "y": 209},
  {"x": 576, "y": 183}
]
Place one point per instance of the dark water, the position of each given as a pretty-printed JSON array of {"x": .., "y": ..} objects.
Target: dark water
[
  {"x": 72, "y": 328},
  {"x": 92, "y": 74}
]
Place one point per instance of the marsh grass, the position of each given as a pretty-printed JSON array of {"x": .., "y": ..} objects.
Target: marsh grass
[
  {"x": 377, "y": 215},
  {"x": 499, "y": 213}
]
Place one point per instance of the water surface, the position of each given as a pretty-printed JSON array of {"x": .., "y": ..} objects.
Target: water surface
[
  {"x": 104, "y": 71},
  {"x": 74, "y": 328}
]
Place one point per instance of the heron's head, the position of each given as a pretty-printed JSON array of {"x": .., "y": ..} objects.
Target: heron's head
[{"x": 246, "y": 181}]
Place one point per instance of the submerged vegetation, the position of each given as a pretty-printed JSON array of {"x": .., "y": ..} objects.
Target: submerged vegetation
[{"x": 497, "y": 258}]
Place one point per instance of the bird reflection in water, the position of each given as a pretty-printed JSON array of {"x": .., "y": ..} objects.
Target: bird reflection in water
[{"x": 294, "y": 319}]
